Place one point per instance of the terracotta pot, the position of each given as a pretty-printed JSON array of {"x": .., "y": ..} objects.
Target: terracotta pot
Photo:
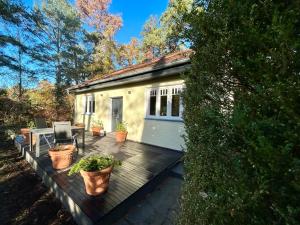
[
  {"x": 80, "y": 125},
  {"x": 96, "y": 182},
  {"x": 63, "y": 158},
  {"x": 96, "y": 131},
  {"x": 25, "y": 132},
  {"x": 121, "y": 136}
]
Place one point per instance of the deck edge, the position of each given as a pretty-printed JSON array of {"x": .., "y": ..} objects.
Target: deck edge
[{"x": 78, "y": 215}]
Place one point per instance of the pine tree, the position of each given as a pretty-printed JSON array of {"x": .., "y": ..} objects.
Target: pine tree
[
  {"x": 16, "y": 41},
  {"x": 59, "y": 34}
]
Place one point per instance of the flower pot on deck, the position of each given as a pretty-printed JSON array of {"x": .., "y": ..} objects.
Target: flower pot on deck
[
  {"x": 121, "y": 136},
  {"x": 26, "y": 135},
  {"x": 81, "y": 125},
  {"x": 96, "y": 182},
  {"x": 61, "y": 156},
  {"x": 25, "y": 132},
  {"x": 96, "y": 131}
]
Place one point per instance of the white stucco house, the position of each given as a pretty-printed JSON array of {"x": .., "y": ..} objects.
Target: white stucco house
[{"x": 146, "y": 96}]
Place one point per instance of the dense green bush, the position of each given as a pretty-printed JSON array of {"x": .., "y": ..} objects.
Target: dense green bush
[{"x": 242, "y": 105}]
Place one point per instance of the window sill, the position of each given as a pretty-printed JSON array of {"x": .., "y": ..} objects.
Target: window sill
[
  {"x": 165, "y": 119},
  {"x": 88, "y": 114}
]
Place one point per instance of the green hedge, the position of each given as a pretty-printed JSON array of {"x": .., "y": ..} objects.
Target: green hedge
[{"x": 242, "y": 107}]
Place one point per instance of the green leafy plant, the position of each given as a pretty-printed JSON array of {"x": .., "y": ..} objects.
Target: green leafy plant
[
  {"x": 31, "y": 124},
  {"x": 97, "y": 123},
  {"x": 94, "y": 163},
  {"x": 121, "y": 127}
]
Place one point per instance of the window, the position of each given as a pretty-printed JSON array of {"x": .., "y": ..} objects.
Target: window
[
  {"x": 175, "y": 102},
  {"x": 164, "y": 103},
  {"x": 89, "y": 104},
  {"x": 152, "y": 106}
]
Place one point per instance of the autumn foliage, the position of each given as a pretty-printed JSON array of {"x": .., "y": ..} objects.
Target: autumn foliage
[
  {"x": 38, "y": 102},
  {"x": 96, "y": 14}
]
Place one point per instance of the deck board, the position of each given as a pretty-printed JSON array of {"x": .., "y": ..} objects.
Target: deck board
[{"x": 142, "y": 167}]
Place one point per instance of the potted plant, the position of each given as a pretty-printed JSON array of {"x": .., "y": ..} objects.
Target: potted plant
[
  {"x": 97, "y": 127},
  {"x": 95, "y": 170},
  {"x": 121, "y": 132},
  {"x": 61, "y": 156},
  {"x": 81, "y": 125},
  {"x": 25, "y": 131}
]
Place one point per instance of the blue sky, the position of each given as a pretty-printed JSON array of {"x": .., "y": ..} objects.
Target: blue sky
[{"x": 134, "y": 14}]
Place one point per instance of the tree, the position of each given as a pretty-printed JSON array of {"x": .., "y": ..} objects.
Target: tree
[
  {"x": 43, "y": 102},
  {"x": 242, "y": 164},
  {"x": 130, "y": 54},
  {"x": 172, "y": 23},
  {"x": 153, "y": 39},
  {"x": 165, "y": 34},
  {"x": 10, "y": 13},
  {"x": 59, "y": 35},
  {"x": 15, "y": 42},
  {"x": 104, "y": 24}
]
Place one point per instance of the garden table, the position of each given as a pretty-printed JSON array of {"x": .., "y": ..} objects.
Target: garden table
[{"x": 44, "y": 132}]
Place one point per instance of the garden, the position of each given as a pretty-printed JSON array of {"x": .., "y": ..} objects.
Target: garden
[{"x": 241, "y": 100}]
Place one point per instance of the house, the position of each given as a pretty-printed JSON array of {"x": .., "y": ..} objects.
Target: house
[{"x": 146, "y": 96}]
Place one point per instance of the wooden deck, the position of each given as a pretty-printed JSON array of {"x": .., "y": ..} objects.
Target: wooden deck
[{"x": 143, "y": 166}]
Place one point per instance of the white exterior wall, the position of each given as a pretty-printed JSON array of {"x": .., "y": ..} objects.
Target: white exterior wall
[{"x": 156, "y": 132}]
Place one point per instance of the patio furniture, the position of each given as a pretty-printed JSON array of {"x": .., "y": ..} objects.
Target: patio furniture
[
  {"x": 49, "y": 131},
  {"x": 41, "y": 123},
  {"x": 63, "y": 133}
]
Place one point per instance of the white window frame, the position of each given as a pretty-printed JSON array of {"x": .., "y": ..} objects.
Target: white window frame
[
  {"x": 88, "y": 100},
  {"x": 160, "y": 91}
]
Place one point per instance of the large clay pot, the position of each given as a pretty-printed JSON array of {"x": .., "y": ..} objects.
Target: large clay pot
[
  {"x": 121, "y": 136},
  {"x": 96, "y": 182},
  {"x": 62, "y": 158},
  {"x": 96, "y": 131}
]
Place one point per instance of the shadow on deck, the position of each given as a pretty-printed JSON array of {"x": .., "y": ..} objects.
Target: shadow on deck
[{"x": 143, "y": 167}]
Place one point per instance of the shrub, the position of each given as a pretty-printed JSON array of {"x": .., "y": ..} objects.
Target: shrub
[{"x": 242, "y": 103}]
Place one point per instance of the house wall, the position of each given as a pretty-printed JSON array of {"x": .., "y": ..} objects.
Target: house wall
[{"x": 156, "y": 132}]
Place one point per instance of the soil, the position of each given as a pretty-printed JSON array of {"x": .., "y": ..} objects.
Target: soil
[{"x": 23, "y": 197}]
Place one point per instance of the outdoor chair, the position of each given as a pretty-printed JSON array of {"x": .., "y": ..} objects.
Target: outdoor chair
[
  {"x": 41, "y": 123},
  {"x": 63, "y": 133}
]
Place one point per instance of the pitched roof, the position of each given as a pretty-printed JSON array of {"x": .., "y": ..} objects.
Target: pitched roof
[{"x": 154, "y": 64}]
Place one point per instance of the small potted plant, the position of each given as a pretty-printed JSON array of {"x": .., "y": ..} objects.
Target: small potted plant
[
  {"x": 97, "y": 127},
  {"x": 61, "y": 156},
  {"x": 95, "y": 170},
  {"x": 81, "y": 125},
  {"x": 121, "y": 132},
  {"x": 25, "y": 131}
]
